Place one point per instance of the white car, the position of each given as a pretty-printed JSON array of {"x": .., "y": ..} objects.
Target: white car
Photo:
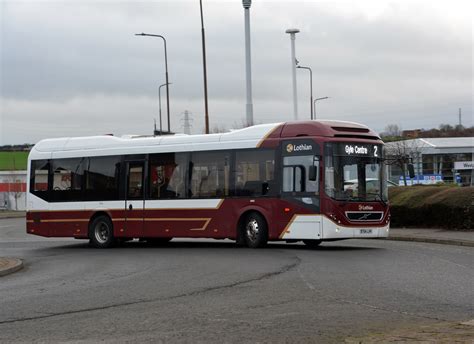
[{"x": 372, "y": 184}]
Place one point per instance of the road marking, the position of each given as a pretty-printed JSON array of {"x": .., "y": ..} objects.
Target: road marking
[{"x": 309, "y": 285}]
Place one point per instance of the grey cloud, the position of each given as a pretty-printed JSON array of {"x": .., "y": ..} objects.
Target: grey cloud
[{"x": 388, "y": 69}]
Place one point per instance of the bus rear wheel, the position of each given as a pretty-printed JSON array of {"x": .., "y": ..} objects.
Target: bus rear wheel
[
  {"x": 255, "y": 230},
  {"x": 312, "y": 243},
  {"x": 101, "y": 232}
]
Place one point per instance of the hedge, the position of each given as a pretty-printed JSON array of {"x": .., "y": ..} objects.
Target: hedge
[{"x": 432, "y": 207}]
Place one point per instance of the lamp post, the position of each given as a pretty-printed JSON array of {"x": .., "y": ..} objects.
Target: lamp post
[
  {"x": 315, "y": 104},
  {"x": 292, "y": 33},
  {"x": 248, "y": 64},
  {"x": 166, "y": 70},
  {"x": 204, "y": 67},
  {"x": 310, "y": 87},
  {"x": 159, "y": 102}
]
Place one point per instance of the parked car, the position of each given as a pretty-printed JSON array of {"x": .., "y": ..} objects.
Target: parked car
[{"x": 371, "y": 184}]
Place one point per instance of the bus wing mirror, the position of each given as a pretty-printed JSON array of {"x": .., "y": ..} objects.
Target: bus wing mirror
[
  {"x": 313, "y": 173},
  {"x": 411, "y": 171}
]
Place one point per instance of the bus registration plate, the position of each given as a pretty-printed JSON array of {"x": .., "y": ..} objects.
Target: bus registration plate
[{"x": 365, "y": 231}]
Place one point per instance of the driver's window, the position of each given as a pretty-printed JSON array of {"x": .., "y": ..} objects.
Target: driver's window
[
  {"x": 293, "y": 179},
  {"x": 288, "y": 177},
  {"x": 296, "y": 174}
]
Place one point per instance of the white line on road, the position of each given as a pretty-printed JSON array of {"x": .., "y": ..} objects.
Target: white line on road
[{"x": 309, "y": 285}]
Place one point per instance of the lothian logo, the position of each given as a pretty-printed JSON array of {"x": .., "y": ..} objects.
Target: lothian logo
[
  {"x": 297, "y": 148},
  {"x": 365, "y": 207}
]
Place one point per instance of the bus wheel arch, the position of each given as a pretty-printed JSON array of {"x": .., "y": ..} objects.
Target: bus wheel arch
[
  {"x": 252, "y": 229},
  {"x": 101, "y": 230}
]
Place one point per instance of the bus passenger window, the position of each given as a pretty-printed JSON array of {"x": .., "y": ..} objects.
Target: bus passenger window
[
  {"x": 135, "y": 182},
  {"x": 102, "y": 178},
  {"x": 210, "y": 174},
  {"x": 39, "y": 178},
  {"x": 67, "y": 179},
  {"x": 167, "y": 175},
  {"x": 254, "y": 172}
]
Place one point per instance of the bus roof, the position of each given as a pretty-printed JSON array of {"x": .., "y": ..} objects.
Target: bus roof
[{"x": 250, "y": 137}]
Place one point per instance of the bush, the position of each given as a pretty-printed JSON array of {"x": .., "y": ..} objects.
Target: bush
[{"x": 432, "y": 206}]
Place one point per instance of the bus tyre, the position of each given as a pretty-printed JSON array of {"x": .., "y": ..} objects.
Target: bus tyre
[
  {"x": 255, "y": 230},
  {"x": 101, "y": 232},
  {"x": 312, "y": 243}
]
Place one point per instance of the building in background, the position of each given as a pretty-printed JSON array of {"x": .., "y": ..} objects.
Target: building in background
[
  {"x": 441, "y": 159},
  {"x": 13, "y": 190},
  {"x": 13, "y": 179},
  {"x": 411, "y": 134}
]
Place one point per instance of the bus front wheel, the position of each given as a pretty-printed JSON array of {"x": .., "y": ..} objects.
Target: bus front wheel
[
  {"x": 101, "y": 232},
  {"x": 255, "y": 230}
]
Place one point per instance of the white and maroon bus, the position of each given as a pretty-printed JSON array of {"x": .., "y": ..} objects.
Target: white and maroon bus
[{"x": 309, "y": 181}]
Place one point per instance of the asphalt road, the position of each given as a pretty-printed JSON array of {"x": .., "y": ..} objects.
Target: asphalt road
[{"x": 213, "y": 291}]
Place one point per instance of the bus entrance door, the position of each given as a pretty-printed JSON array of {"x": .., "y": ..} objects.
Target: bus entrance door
[{"x": 135, "y": 200}]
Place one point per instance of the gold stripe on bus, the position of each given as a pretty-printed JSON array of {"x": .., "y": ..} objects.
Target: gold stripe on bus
[
  {"x": 121, "y": 209},
  {"x": 66, "y": 220},
  {"x": 266, "y": 136},
  {"x": 207, "y": 220},
  {"x": 287, "y": 226},
  {"x": 210, "y": 208}
]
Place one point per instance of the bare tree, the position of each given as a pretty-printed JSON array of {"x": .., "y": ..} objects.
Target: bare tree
[
  {"x": 401, "y": 153},
  {"x": 392, "y": 130},
  {"x": 14, "y": 187},
  {"x": 218, "y": 129},
  {"x": 239, "y": 125}
]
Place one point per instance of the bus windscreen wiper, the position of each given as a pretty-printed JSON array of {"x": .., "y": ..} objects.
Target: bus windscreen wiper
[{"x": 377, "y": 196}]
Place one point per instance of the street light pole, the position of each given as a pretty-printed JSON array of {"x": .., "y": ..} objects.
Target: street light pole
[
  {"x": 292, "y": 33},
  {"x": 310, "y": 87},
  {"x": 315, "y": 104},
  {"x": 159, "y": 102},
  {"x": 166, "y": 71},
  {"x": 204, "y": 67},
  {"x": 248, "y": 64}
]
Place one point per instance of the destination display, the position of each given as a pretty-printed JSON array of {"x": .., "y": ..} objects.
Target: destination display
[{"x": 359, "y": 149}]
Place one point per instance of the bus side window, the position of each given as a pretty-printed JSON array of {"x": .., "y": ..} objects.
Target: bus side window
[
  {"x": 254, "y": 172},
  {"x": 296, "y": 174},
  {"x": 135, "y": 181},
  {"x": 294, "y": 179},
  {"x": 167, "y": 175},
  {"x": 102, "y": 178},
  {"x": 210, "y": 174},
  {"x": 39, "y": 178},
  {"x": 67, "y": 179}
]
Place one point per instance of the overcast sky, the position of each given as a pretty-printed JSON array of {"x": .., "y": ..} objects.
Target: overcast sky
[{"x": 75, "y": 68}]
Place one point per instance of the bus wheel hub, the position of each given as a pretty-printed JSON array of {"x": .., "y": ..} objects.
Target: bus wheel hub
[{"x": 252, "y": 229}]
